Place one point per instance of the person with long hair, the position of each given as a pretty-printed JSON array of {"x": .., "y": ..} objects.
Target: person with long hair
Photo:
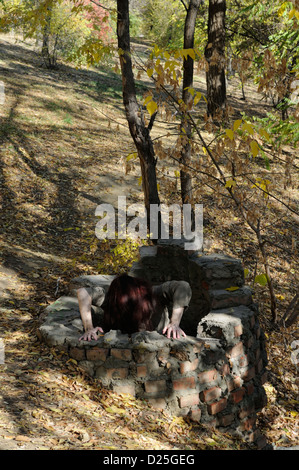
[{"x": 131, "y": 304}]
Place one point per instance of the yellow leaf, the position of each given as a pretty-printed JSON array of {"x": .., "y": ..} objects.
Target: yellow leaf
[
  {"x": 191, "y": 90},
  {"x": 152, "y": 107},
  {"x": 230, "y": 184},
  {"x": 115, "y": 410},
  {"x": 139, "y": 181},
  {"x": 191, "y": 53},
  {"x": 229, "y": 133},
  {"x": 73, "y": 361},
  {"x": 147, "y": 100},
  {"x": 197, "y": 97},
  {"x": 254, "y": 148},
  {"x": 237, "y": 124},
  {"x": 233, "y": 288},
  {"x": 247, "y": 127},
  {"x": 280, "y": 297},
  {"x": 150, "y": 72},
  {"x": 131, "y": 156}
]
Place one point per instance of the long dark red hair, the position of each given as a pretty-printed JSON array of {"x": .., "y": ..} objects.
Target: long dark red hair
[{"x": 129, "y": 305}]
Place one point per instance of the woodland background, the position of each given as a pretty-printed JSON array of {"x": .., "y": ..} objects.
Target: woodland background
[{"x": 213, "y": 101}]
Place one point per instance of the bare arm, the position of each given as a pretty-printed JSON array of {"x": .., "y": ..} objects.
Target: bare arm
[
  {"x": 180, "y": 293},
  {"x": 85, "y": 300},
  {"x": 173, "y": 328}
]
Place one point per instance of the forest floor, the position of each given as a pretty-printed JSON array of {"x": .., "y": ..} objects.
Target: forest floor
[{"x": 64, "y": 141}]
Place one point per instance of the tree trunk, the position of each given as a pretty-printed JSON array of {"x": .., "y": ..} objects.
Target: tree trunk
[
  {"x": 215, "y": 56},
  {"x": 49, "y": 60},
  {"x": 139, "y": 132},
  {"x": 186, "y": 127}
]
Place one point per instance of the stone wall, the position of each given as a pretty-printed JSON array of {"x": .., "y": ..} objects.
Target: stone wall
[{"x": 215, "y": 375}]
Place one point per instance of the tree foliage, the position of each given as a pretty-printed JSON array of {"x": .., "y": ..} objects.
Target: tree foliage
[{"x": 231, "y": 157}]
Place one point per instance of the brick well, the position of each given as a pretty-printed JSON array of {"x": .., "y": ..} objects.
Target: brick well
[{"x": 214, "y": 376}]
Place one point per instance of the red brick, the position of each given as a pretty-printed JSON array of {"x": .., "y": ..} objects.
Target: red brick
[
  {"x": 207, "y": 376},
  {"x": 238, "y": 395},
  {"x": 188, "y": 366},
  {"x": 233, "y": 383},
  {"x": 249, "y": 388},
  {"x": 258, "y": 332},
  {"x": 259, "y": 366},
  {"x": 195, "y": 415},
  {"x": 184, "y": 383},
  {"x": 249, "y": 342},
  {"x": 243, "y": 361},
  {"x": 224, "y": 370},
  {"x": 211, "y": 394},
  {"x": 257, "y": 353},
  {"x": 248, "y": 374},
  {"x": 264, "y": 378},
  {"x": 226, "y": 420},
  {"x": 217, "y": 406},
  {"x": 124, "y": 354},
  {"x": 77, "y": 353},
  {"x": 238, "y": 330},
  {"x": 154, "y": 386},
  {"x": 141, "y": 371},
  {"x": 97, "y": 354},
  {"x": 189, "y": 400},
  {"x": 236, "y": 350}
]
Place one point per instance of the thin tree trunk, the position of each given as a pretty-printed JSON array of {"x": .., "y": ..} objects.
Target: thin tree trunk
[
  {"x": 215, "y": 56},
  {"x": 49, "y": 62},
  {"x": 186, "y": 126},
  {"x": 139, "y": 132}
]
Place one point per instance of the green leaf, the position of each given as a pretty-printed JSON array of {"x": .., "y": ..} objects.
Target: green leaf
[{"x": 261, "y": 279}]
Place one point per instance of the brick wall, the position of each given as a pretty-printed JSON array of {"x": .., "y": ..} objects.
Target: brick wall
[{"x": 215, "y": 375}]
